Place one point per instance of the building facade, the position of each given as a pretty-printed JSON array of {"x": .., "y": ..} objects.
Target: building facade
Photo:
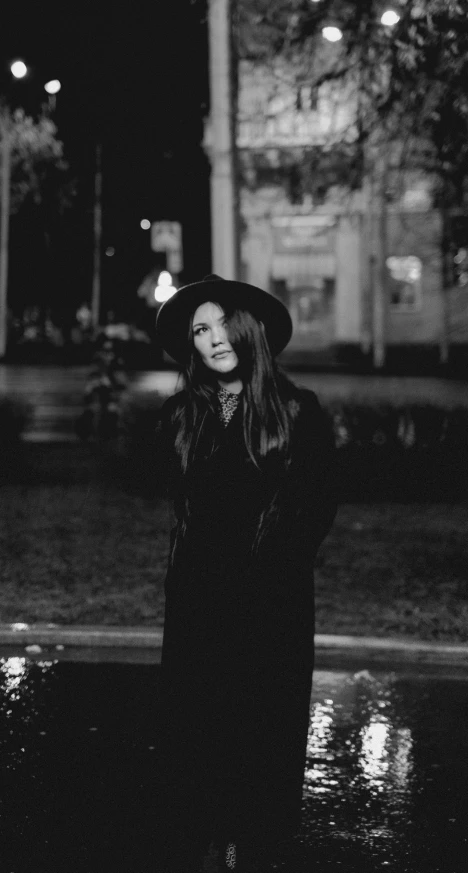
[{"x": 321, "y": 255}]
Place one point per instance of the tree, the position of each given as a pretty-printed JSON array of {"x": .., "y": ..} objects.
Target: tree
[
  {"x": 406, "y": 99},
  {"x": 33, "y": 168}
]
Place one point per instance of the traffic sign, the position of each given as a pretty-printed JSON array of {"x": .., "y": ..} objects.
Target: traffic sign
[
  {"x": 174, "y": 261},
  {"x": 166, "y": 236}
]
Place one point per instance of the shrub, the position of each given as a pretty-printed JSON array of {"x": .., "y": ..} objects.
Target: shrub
[
  {"x": 15, "y": 415},
  {"x": 416, "y": 451},
  {"x": 409, "y": 452},
  {"x": 406, "y": 427},
  {"x": 139, "y": 416}
]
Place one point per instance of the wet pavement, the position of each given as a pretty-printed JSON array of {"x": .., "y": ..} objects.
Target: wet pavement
[{"x": 385, "y": 782}]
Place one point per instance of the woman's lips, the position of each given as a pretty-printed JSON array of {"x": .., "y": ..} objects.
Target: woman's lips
[{"x": 221, "y": 354}]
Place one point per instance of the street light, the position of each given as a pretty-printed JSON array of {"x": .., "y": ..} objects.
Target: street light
[
  {"x": 18, "y": 69},
  {"x": 53, "y": 86},
  {"x": 333, "y": 34},
  {"x": 390, "y": 18},
  {"x": 164, "y": 289}
]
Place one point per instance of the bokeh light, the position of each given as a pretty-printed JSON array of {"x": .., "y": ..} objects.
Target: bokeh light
[
  {"x": 18, "y": 69},
  {"x": 145, "y": 224},
  {"x": 333, "y": 34},
  {"x": 390, "y": 18},
  {"x": 53, "y": 86},
  {"x": 164, "y": 289}
]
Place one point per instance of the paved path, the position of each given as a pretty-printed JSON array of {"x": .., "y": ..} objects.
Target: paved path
[
  {"x": 80, "y": 780},
  {"x": 56, "y": 393},
  {"x": 328, "y": 646}
]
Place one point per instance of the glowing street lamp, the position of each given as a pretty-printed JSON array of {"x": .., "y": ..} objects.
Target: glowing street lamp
[
  {"x": 52, "y": 87},
  {"x": 164, "y": 289},
  {"x": 390, "y": 18},
  {"x": 18, "y": 69},
  {"x": 332, "y": 34}
]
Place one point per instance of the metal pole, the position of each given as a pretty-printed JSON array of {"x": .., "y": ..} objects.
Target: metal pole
[
  {"x": 445, "y": 285},
  {"x": 97, "y": 213},
  {"x": 220, "y": 142},
  {"x": 380, "y": 278},
  {"x": 4, "y": 227}
]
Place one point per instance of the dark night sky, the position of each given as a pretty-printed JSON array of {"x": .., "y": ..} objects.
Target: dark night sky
[{"x": 134, "y": 76}]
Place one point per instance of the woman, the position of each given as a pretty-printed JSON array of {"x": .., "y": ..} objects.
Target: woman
[{"x": 248, "y": 457}]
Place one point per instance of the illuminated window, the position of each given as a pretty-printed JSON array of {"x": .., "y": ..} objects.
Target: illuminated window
[
  {"x": 460, "y": 261},
  {"x": 405, "y": 283}
]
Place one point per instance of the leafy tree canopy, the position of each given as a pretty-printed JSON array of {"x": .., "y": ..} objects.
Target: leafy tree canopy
[
  {"x": 39, "y": 172},
  {"x": 410, "y": 80}
]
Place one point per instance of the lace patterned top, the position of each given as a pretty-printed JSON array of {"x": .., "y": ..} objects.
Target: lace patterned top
[{"x": 228, "y": 403}]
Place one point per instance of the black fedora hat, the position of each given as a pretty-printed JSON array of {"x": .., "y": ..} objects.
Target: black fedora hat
[{"x": 173, "y": 318}]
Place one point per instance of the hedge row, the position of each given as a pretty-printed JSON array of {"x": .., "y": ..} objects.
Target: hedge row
[
  {"x": 406, "y": 427},
  {"x": 409, "y": 427},
  {"x": 15, "y": 414},
  {"x": 403, "y": 452},
  {"x": 407, "y": 452}
]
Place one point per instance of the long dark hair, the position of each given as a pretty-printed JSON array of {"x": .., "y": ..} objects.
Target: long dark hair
[
  {"x": 268, "y": 401},
  {"x": 270, "y": 405}
]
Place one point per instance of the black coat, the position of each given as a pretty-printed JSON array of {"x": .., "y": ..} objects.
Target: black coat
[{"x": 238, "y": 646}]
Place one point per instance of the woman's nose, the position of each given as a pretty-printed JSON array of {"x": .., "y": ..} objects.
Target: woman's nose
[{"x": 218, "y": 335}]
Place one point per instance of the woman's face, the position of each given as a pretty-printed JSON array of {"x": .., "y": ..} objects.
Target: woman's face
[{"x": 211, "y": 340}]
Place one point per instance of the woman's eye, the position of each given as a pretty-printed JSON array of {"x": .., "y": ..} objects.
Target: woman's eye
[{"x": 199, "y": 330}]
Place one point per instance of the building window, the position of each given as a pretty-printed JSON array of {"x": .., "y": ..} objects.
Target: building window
[
  {"x": 405, "y": 283},
  {"x": 312, "y": 302},
  {"x": 306, "y": 99},
  {"x": 460, "y": 271}
]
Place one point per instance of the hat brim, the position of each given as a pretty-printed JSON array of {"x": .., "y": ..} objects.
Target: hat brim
[{"x": 172, "y": 322}]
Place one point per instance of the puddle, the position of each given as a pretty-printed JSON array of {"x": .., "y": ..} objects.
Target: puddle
[{"x": 384, "y": 789}]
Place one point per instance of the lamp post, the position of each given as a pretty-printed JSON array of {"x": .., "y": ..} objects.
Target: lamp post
[
  {"x": 376, "y": 220},
  {"x": 220, "y": 142},
  {"x": 18, "y": 70},
  {"x": 97, "y": 233},
  {"x": 52, "y": 87},
  {"x": 5, "y": 134}
]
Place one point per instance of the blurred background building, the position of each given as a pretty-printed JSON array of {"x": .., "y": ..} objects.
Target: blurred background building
[
  {"x": 343, "y": 195},
  {"x": 319, "y": 150}
]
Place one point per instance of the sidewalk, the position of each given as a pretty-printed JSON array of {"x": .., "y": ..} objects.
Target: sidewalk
[{"x": 124, "y": 639}]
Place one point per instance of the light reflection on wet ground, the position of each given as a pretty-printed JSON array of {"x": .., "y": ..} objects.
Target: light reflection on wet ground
[{"x": 385, "y": 782}]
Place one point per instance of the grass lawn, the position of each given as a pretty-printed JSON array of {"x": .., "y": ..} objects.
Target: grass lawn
[{"x": 87, "y": 552}]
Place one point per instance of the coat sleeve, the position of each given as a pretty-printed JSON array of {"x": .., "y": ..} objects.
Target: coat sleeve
[
  {"x": 283, "y": 579},
  {"x": 307, "y": 500},
  {"x": 311, "y": 489}
]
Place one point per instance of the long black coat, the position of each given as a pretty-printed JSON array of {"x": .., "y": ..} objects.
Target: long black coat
[{"x": 238, "y": 646}]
